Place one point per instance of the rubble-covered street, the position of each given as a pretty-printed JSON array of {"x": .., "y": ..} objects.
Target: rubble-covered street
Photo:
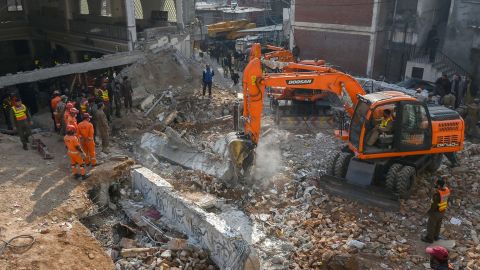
[{"x": 239, "y": 135}]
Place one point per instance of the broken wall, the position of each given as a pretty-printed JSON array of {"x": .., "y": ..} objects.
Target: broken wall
[{"x": 228, "y": 249}]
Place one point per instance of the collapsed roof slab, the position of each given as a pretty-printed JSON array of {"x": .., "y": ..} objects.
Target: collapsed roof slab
[{"x": 107, "y": 61}]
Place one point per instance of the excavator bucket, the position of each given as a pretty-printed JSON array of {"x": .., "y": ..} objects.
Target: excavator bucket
[{"x": 241, "y": 152}]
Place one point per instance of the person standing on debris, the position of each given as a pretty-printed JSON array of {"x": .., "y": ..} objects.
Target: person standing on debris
[
  {"x": 75, "y": 152},
  {"x": 21, "y": 118},
  {"x": 101, "y": 124},
  {"x": 296, "y": 53},
  {"x": 127, "y": 94},
  {"x": 438, "y": 258},
  {"x": 456, "y": 89},
  {"x": 59, "y": 113},
  {"x": 420, "y": 95},
  {"x": 102, "y": 93},
  {"x": 53, "y": 107},
  {"x": 443, "y": 85},
  {"x": 235, "y": 78},
  {"x": 225, "y": 67},
  {"x": 116, "y": 95},
  {"x": 86, "y": 133},
  {"x": 208, "y": 80},
  {"x": 7, "y": 103},
  {"x": 449, "y": 101},
  {"x": 473, "y": 116},
  {"x": 437, "y": 211}
]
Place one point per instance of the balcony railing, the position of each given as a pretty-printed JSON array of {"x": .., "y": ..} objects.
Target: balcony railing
[
  {"x": 418, "y": 55},
  {"x": 97, "y": 29}
]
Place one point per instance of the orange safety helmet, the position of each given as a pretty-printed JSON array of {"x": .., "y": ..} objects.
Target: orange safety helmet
[{"x": 71, "y": 128}]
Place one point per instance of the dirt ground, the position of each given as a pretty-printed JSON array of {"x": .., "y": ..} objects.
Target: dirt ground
[{"x": 39, "y": 198}]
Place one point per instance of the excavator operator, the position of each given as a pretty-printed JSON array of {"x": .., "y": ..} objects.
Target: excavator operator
[{"x": 385, "y": 127}]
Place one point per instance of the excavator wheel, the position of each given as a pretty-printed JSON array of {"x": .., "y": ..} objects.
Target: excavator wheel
[
  {"x": 331, "y": 161},
  {"x": 341, "y": 165},
  {"x": 436, "y": 162},
  {"x": 391, "y": 179},
  {"x": 405, "y": 180}
]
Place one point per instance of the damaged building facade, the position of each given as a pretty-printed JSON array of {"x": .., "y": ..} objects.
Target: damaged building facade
[
  {"x": 365, "y": 38},
  {"x": 39, "y": 33}
]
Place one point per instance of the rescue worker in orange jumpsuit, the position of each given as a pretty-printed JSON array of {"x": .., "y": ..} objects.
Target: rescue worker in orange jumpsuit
[
  {"x": 53, "y": 107},
  {"x": 64, "y": 118},
  {"x": 75, "y": 153},
  {"x": 21, "y": 118},
  {"x": 86, "y": 133},
  {"x": 72, "y": 118},
  {"x": 437, "y": 211}
]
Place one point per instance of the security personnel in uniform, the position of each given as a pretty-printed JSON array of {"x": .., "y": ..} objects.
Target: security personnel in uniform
[
  {"x": 75, "y": 152},
  {"x": 437, "y": 211},
  {"x": 21, "y": 118},
  {"x": 86, "y": 133}
]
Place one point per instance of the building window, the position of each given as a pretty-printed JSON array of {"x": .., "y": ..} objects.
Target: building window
[
  {"x": 14, "y": 5},
  {"x": 137, "y": 4},
  {"x": 84, "y": 7}
]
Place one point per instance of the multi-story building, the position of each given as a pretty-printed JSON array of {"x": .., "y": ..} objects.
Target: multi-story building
[
  {"x": 75, "y": 30},
  {"x": 364, "y": 37}
]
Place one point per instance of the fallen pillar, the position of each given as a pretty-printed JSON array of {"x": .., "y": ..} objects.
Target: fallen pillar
[
  {"x": 227, "y": 247},
  {"x": 171, "y": 147}
]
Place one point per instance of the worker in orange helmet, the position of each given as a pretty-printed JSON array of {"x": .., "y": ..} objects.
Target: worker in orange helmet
[
  {"x": 75, "y": 152},
  {"x": 72, "y": 118},
  {"x": 64, "y": 119},
  {"x": 86, "y": 133}
]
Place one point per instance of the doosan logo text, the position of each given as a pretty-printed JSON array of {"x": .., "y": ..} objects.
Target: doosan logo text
[{"x": 297, "y": 82}]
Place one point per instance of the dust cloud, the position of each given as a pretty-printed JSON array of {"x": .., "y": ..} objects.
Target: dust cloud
[{"x": 268, "y": 160}]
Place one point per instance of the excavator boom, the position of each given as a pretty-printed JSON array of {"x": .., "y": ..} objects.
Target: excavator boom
[{"x": 319, "y": 78}]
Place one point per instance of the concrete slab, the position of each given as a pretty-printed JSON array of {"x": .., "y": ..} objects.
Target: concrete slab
[
  {"x": 174, "y": 149},
  {"x": 227, "y": 247}
]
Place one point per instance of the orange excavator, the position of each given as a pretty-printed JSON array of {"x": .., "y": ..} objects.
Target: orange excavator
[
  {"x": 300, "y": 104},
  {"x": 416, "y": 139}
]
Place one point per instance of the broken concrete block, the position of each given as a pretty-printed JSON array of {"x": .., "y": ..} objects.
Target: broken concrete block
[
  {"x": 147, "y": 102},
  {"x": 176, "y": 150}
]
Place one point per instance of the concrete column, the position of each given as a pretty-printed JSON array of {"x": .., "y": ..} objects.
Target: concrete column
[
  {"x": 131, "y": 25},
  {"x": 373, "y": 39},
  {"x": 68, "y": 14},
  {"x": 179, "y": 13},
  {"x": 73, "y": 57},
  {"x": 31, "y": 46},
  {"x": 292, "y": 25}
]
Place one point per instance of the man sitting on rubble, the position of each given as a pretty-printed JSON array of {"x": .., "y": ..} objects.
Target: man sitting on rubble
[{"x": 385, "y": 127}]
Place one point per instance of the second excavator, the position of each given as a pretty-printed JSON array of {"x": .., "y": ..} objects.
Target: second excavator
[{"x": 389, "y": 136}]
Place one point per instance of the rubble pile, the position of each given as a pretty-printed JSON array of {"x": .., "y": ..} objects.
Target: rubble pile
[
  {"x": 160, "y": 70},
  {"x": 137, "y": 238}
]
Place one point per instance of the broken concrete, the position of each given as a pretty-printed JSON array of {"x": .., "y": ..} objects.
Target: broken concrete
[
  {"x": 171, "y": 147},
  {"x": 227, "y": 247}
]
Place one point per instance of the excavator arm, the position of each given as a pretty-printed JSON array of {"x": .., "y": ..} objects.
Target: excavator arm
[{"x": 319, "y": 78}]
